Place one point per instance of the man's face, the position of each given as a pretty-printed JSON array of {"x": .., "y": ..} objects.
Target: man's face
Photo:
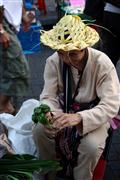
[{"x": 73, "y": 57}]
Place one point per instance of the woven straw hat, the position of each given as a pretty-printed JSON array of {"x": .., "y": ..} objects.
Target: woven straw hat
[{"x": 70, "y": 33}]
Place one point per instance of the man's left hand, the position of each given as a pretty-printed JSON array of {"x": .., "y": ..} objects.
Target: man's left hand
[{"x": 66, "y": 120}]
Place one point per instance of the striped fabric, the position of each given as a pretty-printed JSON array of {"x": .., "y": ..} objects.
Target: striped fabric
[{"x": 67, "y": 141}]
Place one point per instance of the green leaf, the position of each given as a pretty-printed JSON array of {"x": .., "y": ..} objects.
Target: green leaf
[
  {"x": 45, "y": 108},
  {"x": 39, "y": 114},
  {"x": 26, "y": 174},
  {"x": 19, "y": 157},
  {"x": 25, "y": 165},
  {"x": 42, "y": 119},
  {"x": 9, "y": 177}
]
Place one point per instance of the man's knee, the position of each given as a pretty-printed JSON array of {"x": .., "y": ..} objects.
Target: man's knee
[
  {"x": 91, "y": 147},
  {"x": 45, "y": 146},
  {"x": 38, "y": 136},
  {"x": 94, "y": 142}
]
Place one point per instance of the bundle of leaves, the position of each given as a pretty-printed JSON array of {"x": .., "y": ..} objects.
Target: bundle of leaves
[
  {"x": 19, "y": 167},
  {"x": 39, "y": 115}
]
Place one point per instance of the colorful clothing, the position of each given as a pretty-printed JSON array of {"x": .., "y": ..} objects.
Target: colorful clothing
[{"x": 14, "y": 69}]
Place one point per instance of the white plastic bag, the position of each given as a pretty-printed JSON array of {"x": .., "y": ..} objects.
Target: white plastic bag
[{"x": 20, "y": 128}]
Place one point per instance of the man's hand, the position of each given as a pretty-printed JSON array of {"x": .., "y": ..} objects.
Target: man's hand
[
  {"x": 50, "y": 132},
  {"x": 66, "y": 120},
  {"x": 27, "y": 19},
  {"x": 5, "y": 39}
]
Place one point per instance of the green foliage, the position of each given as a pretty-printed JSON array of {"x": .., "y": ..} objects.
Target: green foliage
[
  {"x": 19, "y": 167},
  {"x": 39, "y": 114}
]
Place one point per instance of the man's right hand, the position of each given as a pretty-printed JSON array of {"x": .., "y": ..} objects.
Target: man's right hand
[
  {"x": 50, "y": 132},
  {"x": 4, "y": 39}
]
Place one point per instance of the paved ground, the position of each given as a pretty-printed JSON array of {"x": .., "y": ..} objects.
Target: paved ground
[{"x": 36, "y": 62}]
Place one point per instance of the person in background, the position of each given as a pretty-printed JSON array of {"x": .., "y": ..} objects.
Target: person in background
[
  {"x": 14, "y": 70},
  {"x": 83, "y": 91},
  {"x": 111, "y": 21},
  {"x": 107, "y": 14},
  {"x": 95, "y": 10}
]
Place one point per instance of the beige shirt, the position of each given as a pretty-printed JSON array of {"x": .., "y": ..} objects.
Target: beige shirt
[{"x": 99, "y": 79}]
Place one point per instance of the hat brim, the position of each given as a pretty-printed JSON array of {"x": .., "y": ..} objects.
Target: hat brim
[{"x": 50, "y": 38}]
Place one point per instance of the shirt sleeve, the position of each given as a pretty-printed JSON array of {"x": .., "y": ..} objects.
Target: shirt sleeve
[
  {"x": 49, "y": 94},
  {"x": 108, "y": 90}
]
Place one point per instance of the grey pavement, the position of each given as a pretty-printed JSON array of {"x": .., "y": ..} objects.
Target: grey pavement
[
  {"x": 36, "y": 63},
  {"x": 113, "y": 162}
]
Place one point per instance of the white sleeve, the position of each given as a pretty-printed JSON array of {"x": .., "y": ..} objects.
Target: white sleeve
[
  {"x": 1, "y": 2},
  {"x": 108, "y": 89},
  {"x": 49, "y": 94}
]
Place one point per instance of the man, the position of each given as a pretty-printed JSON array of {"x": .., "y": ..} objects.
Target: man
[
  {"x": 92, "y": 76},
  {"x": 14, "y": 71}
]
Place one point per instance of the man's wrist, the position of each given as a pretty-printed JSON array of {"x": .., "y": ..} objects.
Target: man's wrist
[
  {"x": 79, "y": 116},
  {"x": 80, "y": 125}
]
